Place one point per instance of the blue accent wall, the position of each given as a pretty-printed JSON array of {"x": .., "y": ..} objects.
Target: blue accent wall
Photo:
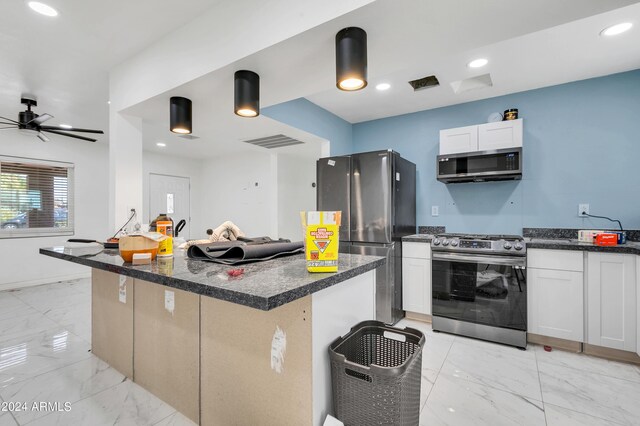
[
  {"x": 581, "y": 145},
  {"x": 307, "y": 116}
]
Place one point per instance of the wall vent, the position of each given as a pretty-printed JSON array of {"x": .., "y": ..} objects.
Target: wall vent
[
  {"x": 276, "y": 141},
  {"x": 424, "y": 83},
  {"x": 189, "y": 137}
]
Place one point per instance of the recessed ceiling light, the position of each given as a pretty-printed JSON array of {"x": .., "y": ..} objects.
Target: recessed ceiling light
[
  {"x": 161, "y": 144},
  {"x": 66, "y": 126},
  {"x": 43, "y": 9},
  {"x": 383, "y": 86},
  {"x": 616, "y": 29},
  {"x": 477, "y": 63},
  {"x": 108, "y": 102}
]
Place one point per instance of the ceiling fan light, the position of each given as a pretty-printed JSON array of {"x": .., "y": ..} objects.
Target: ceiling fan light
[
  {"x": 351, "y": 59},
  {"x": 180, "y": 115},
  {"x": 43, "y": 9},
  {"x": 246, "y": 90}
]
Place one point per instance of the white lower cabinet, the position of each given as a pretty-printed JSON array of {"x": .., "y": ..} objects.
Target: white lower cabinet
[
  {"x": 555, "y": 306},
  {"x": 416, "y": 277},
  {"x": 638, "y": 306},
  {"x": 612, "y": 301},
  {"x": 555, "y": 298}
]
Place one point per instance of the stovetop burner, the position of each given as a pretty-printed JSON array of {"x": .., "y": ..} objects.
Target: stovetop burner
[{"x": 480, "y": 243}]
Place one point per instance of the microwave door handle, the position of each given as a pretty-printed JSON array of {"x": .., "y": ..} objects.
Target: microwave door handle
[{"x": 492, "y": 260}]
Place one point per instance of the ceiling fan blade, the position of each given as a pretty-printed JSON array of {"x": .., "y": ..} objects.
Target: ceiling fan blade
[
  {"x": 69, "y": 135},
  {"x": 7, "y": 128},
  {"x": 73, "y": 129},
  {"x": 43, "y": 137},
  {"x": 9, "y": 120},
  {"x": 41, "y": 119},
  {"x": 8, "y": 124}
]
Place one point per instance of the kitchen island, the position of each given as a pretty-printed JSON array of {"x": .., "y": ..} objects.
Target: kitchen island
[{"x": 224, "y": 345}]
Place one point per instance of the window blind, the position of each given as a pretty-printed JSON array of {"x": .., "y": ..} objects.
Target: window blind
[{"x": 36, "y": 198}]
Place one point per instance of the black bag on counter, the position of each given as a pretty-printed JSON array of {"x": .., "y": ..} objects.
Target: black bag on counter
[{"x": 245, "y": 250}]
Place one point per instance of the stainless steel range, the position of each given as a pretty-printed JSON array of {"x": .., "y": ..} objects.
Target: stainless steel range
[{"x": 479, "y": 286}]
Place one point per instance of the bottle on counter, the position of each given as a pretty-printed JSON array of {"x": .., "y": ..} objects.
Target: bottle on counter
[{"x": 164, "y": 225}]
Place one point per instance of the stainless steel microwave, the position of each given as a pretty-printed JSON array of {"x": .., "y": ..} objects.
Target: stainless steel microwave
[{"x": 480, "y": 166}]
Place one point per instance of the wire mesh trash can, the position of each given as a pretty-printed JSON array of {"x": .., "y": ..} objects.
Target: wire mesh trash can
[{"x": 375, "y": 374}]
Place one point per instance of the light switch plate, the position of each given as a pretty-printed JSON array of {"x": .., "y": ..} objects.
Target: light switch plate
[{"x": 435, "y": 210}]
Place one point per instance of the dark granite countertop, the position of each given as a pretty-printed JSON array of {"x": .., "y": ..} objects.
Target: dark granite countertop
[
  {"x": 263, "y": 285},
  {"x": 631, "y": 247},
  {"x": 418, "y": 238}
]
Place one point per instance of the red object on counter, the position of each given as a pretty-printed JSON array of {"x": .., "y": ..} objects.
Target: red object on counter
[
  {"x": 606, "y": 240},
  {"x": 235, "y": 272}
]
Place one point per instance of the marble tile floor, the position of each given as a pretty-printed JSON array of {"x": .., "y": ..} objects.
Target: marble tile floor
[{"x": 45, "y": 337}]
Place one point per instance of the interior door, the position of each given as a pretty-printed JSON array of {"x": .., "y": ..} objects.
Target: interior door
[{"x": 170, "y": 195}]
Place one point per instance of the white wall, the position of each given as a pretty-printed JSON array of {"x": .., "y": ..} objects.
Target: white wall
[
  {"x": 20, "y": 262},
  {"x": 229, "y": 193},
  {"x": 295, "y": 193},
  {"x": 153, "y": 162}
]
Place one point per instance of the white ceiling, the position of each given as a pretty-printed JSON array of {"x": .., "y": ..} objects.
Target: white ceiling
[
  {"x": 558, "y": 54},
  {"x": 64, "y": 61},
  {"x": 529, "y": 44}
]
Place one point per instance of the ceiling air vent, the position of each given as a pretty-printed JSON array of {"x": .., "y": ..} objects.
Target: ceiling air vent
[
  {"x": 424, "y": 83},
  {"x": 276, "y": 141},
  {"x": 189, "y": 137}
]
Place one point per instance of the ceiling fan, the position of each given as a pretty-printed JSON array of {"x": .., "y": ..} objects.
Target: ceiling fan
[{"x": 29, "y": 120}]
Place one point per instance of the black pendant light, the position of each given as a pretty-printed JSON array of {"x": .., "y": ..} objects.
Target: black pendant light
[
  {"x": 351, "y": 59},
  {"x": 246, "y": 93},
  {"x": 180, "y": 115}
]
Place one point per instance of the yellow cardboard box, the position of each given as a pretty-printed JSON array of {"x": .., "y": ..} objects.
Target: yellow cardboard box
[{"x": 322, "y": 239}]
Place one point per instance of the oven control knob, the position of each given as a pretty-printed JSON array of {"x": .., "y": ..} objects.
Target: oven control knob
[
  {"x": 445, "y": 242},
  {"x": 518, "y": 246},
  {"x": 436, "y": 242},
  {"x": 506, "y": 245},
  {"x": 454, "y": 243}
]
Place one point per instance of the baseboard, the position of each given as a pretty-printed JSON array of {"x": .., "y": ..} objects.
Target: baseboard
[
  {"x": 418, "y": 317},
  {"x": 554, "y": 342},
  {"x": 47, "y": 280},
  {"x": 613, "y": 354}
]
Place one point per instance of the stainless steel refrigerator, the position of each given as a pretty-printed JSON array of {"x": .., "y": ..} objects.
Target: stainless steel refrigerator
[{"x": 376, "y": 192}]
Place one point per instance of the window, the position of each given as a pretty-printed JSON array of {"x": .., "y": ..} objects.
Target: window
[{"x": 36, "y": 198}]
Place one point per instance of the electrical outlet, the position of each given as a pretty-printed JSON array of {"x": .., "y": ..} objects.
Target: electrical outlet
[
  {"x": 583, "y": 208},
  {"x": 435, "y": 210}
]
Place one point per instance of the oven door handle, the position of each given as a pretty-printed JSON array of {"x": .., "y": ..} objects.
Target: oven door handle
[{"x": 473, "y": 258}]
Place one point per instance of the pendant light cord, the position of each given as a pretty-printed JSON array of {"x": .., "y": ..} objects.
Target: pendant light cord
[{"x": 604, "y": 217}]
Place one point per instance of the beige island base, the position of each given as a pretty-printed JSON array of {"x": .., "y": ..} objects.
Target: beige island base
[{"x": 221, "y": 363}]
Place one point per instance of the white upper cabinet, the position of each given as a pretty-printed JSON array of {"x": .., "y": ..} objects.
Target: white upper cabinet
[
  {"x": 611, "y": 300},
  {"x": 460, "y": 139},
  {"x": 499, "y": 135}
]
